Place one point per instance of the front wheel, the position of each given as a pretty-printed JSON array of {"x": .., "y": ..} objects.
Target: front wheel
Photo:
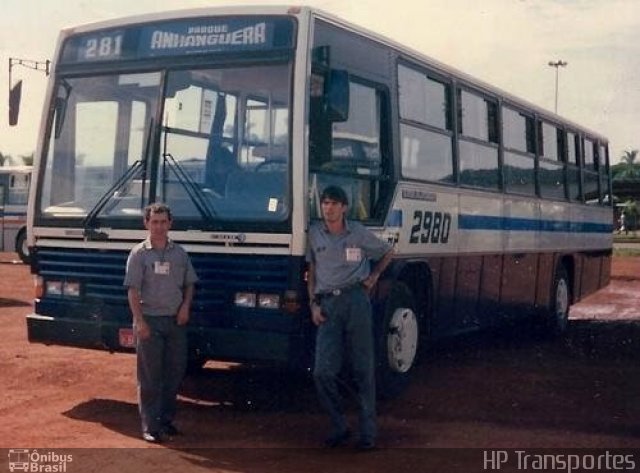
[
  {"x": 397, "y": 338},
  {"x": 22, "y": 247}
]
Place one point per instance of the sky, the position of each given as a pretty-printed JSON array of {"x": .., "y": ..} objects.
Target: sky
[{"x": 507, "y": 43}]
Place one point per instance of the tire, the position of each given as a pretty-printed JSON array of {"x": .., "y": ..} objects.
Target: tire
[
  {"x": 21, "y": 247},
  {"x": 397, "y": 340},
  {"x": 557, "y": 319}
]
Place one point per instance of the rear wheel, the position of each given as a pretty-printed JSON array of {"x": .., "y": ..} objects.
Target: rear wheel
[
  {"x": 558, "y": 314},
  {"x": 397, "y": 338},
  {"x": 22, "y": 248}
]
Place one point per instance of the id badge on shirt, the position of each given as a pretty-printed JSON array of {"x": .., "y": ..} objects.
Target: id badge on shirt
[
  {"x": 161, "y": 268},
  {"x": 353, "y": 255}
]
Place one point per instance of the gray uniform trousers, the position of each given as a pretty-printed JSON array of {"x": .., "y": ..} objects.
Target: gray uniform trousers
[
  {"x": 347, "y": 332},
  {"x": 161, "y": 365}
]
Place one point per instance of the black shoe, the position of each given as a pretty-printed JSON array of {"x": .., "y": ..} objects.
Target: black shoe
[
  {"x": 336, "y": 440},
  {"x": 366, "y": 445},
  {"x": 170, "y": 430},
  {"x": 152, "y": 437}
]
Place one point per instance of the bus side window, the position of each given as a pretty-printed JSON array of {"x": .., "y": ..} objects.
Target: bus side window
[
  {"x": 18, "y": 189},
  {"x": 478, "y": 150}
]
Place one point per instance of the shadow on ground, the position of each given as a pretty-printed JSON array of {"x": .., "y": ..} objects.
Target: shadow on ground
[
  {"x": 4, "y": 302},
  {"x": 584, "y": 383}
]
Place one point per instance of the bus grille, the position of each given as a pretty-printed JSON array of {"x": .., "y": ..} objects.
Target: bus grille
[{"x": 101, "y": 274}]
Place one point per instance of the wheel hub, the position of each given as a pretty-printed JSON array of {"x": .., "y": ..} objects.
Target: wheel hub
[{"x": 402, "y": 340}]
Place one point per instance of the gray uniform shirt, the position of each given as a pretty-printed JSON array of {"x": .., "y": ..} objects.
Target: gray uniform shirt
[
  {"x": 160, "y": 276},
  {"x": 342, "y": 260}
]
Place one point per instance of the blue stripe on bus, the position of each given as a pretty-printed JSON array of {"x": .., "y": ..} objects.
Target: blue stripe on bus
[
  {"x": 486, "y": 222},
  {"x": 395, "y": 218},
  {"x": 7, "y": 213}
]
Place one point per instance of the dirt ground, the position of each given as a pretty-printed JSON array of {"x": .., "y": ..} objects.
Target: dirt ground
[{"x": 478, "y": 392}]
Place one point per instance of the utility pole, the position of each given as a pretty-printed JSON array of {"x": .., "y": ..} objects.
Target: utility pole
[
  {"x": 557, "y": 64},
  {"x": 15, "y": 92}
]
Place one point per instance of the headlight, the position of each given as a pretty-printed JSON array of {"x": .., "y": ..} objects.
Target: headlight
[
  {"x": 245, "y": 299},
  {"x": 53, "y": 288},
  {"x": 71, "y": 289},
  {"x": 269, "y": 301},
  {"x": 62, "y": 288}
]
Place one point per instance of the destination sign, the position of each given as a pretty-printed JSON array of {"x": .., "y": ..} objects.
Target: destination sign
[{"x": 180, "y": 37}]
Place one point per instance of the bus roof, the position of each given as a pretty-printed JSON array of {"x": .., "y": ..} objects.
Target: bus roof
[
  {"x": 186, "y": 13},
  {"x": 304, "y": 10}
]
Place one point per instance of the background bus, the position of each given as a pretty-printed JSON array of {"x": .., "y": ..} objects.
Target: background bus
[
  {"x": 14, "y": 192},
  {"x": 237, "y": 118}
]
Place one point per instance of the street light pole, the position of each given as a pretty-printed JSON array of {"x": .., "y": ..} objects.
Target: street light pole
[
  {"x": 557, "y": 64},
  {"x": 15, "y": 91}
]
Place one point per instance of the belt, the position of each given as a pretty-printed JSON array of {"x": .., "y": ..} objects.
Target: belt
[{"x": 339, "y": 291}]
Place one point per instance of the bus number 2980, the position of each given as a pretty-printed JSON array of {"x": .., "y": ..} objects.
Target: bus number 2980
[{"x": 430, "y": 227}]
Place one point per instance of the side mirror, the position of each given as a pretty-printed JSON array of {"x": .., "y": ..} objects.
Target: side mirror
[
  {"x": 337, "y": 96},
  {"x": 15, "y": 95},
  {"x": 61, "y": 111},
  {"x": 60, "y": 104}
]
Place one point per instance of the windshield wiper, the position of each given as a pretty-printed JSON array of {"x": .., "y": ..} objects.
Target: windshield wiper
[
  {"x": 90, "y": 220},
  {"x": 195, "y": 193}
]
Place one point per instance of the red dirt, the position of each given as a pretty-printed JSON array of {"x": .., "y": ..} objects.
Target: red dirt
[{"x": 475, "y": 392}]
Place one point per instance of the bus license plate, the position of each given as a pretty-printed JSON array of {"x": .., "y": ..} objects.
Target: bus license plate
[{"x": 126, "y": 338}]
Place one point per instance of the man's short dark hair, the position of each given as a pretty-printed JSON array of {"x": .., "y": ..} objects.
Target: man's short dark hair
[
  {"x": 156, "y": 208},
  {"x": 336, "y": 194}
]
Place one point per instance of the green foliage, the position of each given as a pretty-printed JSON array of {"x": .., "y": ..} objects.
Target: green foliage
[
  {"x": 630, "y": 211},
  {"x": 628, "y": 168},
  {"x": 626, "y": 252},
  {"x": 27, "y": 159},
  {"x": 5, "y": 159},
  {"x": 630, "y": 208}
]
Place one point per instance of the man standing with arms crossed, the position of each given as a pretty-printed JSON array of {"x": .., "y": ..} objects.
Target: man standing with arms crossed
[
  {"x": 160, "y": 280},
  {"x": 339, "y": 282}
]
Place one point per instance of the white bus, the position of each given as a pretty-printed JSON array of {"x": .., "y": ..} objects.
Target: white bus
[
  {"x": 14, "y": 192},
  {"x": 237, "y": 118}
]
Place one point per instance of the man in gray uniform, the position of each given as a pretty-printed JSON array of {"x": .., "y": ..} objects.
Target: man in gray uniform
[
  {"x": 160, "y": 280},
  {"x": 339, "y": 281}
]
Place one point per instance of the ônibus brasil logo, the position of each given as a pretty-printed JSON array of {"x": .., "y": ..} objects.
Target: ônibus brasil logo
[{"x": 23, "y": 459}]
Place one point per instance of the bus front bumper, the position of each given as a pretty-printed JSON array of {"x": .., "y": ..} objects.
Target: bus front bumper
[{"x": 204, "y": 342}]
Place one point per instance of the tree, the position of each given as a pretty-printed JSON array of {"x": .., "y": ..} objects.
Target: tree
[
  {"x": 628, "y": 168},
  {"x": 5, "y": 159},
  {"x": 630, "y": 211},
  {"x": 27, "y": 159}
]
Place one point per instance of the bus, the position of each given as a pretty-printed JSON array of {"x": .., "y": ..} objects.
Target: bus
[
  {"x": 238, "y": 118},
  {"x": 14, "y": 192},
  {"x": 19, "y": 459}
]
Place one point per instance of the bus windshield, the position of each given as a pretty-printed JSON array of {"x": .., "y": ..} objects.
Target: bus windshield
[{"x": 213, "y": 143}]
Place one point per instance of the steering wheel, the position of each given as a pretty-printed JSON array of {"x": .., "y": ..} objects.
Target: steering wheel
[{"x": 270, "y": 165}]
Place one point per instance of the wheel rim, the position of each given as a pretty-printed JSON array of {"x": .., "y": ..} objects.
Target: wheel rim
[
  {"x": 562, "y": 302},
  {"x": 402, "y": 340},
  {"x": 25, "y": 248}
]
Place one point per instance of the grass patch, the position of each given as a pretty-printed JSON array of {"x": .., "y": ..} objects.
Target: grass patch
[
  {"x": 630, "y": 238},
  {"x": 625, "y": 252}
]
